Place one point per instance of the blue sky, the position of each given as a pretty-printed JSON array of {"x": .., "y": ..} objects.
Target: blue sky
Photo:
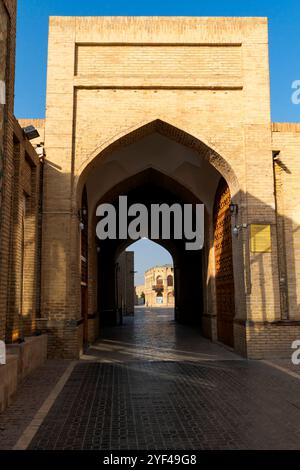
[
  {"x": 32, "y": 32},
  {"x": 146, "y": 255},
  {"x": 284, "y": 38}
]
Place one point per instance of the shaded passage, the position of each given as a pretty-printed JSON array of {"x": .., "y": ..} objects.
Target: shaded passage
[{"x": 152, "y": 334}]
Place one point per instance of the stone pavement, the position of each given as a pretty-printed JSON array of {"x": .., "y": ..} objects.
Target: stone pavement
[
  {"x": 152, "y": 334},
  {"x": 152, "y": 384},
  {"x": 29, "y": 398}
]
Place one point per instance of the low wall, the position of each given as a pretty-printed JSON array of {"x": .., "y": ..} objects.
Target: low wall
[
  {"x": 22, "y": 359},
  {"x": 8, "y": 381},
  {"x": 31, "y": 354},
  {"x": 271, "y": 340}
]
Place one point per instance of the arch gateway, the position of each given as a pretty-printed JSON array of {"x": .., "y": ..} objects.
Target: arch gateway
[{"x": 172, "y": 109}]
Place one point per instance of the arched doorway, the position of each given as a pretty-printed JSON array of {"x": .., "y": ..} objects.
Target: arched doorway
[
  {"x": 150, "y": 262},
  {"x": 151, "y": 187},
  {"x": 170, "y": 298},
  {"x": 194, "y": 179}
]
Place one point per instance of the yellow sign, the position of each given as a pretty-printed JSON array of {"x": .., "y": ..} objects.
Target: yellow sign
[{"x": 260, "y": 238}]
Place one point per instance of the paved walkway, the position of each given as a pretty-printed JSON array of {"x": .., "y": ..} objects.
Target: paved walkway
[
  {"x": 29, "y": 398},
  {"x": 153, "y": 335},
  {"x": 152, "y": 384}
]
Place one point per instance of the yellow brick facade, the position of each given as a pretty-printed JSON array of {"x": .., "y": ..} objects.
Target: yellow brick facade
[{"x": 186, "y": 99}]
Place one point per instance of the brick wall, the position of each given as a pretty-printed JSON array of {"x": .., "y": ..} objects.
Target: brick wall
[
  {"x": 19, "y": 197},
  {"x": 286, "y": 141},
  {"x": 203, "y": 83},
  {"x": 23, "y": 249},
  {"x": 8, "y": 20}
]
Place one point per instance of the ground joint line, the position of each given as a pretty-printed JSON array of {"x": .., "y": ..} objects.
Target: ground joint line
[{"x": 33, "y": 427}]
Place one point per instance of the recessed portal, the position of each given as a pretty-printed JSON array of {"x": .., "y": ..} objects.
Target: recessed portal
[
  {"x": 154, "y": 169},
  {"x": 151, "y": 187}
]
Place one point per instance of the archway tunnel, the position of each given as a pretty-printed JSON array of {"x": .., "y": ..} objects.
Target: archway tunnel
[
  {"x": 153, "y": 169},
  {"x": 150, "y": 188}
]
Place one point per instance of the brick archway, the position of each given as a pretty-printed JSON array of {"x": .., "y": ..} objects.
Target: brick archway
[
  {"x": 220, "y": 112},
  {"x": 207, "y": 154},
  {"x": 165, "y": 129},
  {"x": 187, "y": 264}
]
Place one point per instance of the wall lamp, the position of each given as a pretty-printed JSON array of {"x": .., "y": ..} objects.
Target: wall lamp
[
  {"x": 236, "y": 229},
  {"x": 233, "y": 209}
]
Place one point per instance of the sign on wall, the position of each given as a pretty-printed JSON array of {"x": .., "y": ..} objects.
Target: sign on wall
[{"x": 260, "y": 238}]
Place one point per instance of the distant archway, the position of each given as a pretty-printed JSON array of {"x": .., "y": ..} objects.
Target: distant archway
[
  {"x": 170, "y": 281},
  {"x": 147, "y": 188},
  {"x": 170, "y": 299},
  {"x": 150, "y": 259},
  {"x": 159, "y": 298}
]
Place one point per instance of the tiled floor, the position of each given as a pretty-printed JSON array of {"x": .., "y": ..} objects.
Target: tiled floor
[
  {"x": 153, "y": 335},
  {"x": 29, "y": 398},
  {"x": 153, "y": 384},
  {"x": 174, "y": 405}
]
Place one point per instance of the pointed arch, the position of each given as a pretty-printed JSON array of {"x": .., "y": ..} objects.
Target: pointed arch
[{"x": 163, "y": 128}]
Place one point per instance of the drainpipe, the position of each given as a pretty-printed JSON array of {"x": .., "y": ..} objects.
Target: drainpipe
[
  {"x": 41, "y": 154},
  {"x": 278, "y": 168}
]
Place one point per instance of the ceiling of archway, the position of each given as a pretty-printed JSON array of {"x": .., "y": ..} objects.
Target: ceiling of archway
[{"x": 182, "y": 164}]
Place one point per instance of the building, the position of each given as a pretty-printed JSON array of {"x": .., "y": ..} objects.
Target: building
[
  {"x": 7, "y": 71},
  {"x": 21, "y": 183},
  {"x": 161, "y": 140},
  {"x": 19, "y": 201},
  {"x": 172, "y": 109},
  {"x": 159, "y": 286},
  {"x": 139, "y": 294}
]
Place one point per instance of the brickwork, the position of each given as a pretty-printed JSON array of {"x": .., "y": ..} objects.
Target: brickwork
[
  {"x": 8, "y": 22},
  {"x": 23, "y": 281},
  {"x": 286, "y": 140},
  {"x": 104, "y": 66},
  {"x": 19, "y": 193},
  {"x": 113, "y": 85}
]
